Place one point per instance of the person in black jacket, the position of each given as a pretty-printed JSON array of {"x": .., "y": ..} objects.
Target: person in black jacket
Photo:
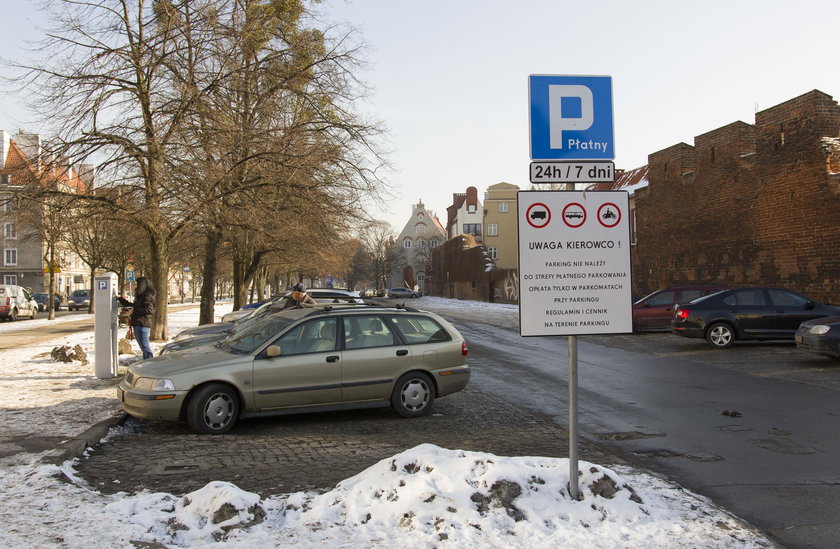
[{"x": 142, "y": 314}]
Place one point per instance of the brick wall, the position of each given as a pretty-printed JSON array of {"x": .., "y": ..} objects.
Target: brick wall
[{"x": 747, "y": 204}]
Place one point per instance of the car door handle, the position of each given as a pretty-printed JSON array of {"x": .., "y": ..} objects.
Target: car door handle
[
  {"x": 402, "y": 352},
  {"x": 333, "y": 358}
]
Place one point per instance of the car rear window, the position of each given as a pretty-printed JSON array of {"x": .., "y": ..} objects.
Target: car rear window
[
  {"x": 418, "y": 329},
  {"x": 665, "y": 298}
]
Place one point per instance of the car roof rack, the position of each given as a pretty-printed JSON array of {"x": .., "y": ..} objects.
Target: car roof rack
[{"x": 323, "y": 308}]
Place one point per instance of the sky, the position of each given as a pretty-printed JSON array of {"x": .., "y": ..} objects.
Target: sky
[
  {"x": 450, "y": 79},
  {"x": 424, "y": 497}
]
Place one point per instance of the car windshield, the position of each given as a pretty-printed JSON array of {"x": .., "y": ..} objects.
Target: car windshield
[{"x": 249, "y": 337}]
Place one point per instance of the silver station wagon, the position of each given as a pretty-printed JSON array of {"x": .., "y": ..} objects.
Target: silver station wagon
[{"x": 311, "y": 359}]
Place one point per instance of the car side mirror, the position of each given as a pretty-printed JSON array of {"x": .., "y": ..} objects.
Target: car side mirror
[
  {"x": 272, "y": 351},
  {"x": 810, "y": 305}
]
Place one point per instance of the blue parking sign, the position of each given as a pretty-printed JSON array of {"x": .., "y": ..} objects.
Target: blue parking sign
[{"x": 571, "y": 117}]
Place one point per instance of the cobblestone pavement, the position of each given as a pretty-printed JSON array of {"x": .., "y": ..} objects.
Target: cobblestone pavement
[{"x": 313, "y": 451}]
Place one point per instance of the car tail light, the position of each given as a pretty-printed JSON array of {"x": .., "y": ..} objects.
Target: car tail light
[
  {"x": 681, "y": 314},
  {"x": 464, "y": 349}
]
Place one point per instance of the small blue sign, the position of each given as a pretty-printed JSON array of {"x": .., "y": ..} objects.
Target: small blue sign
[
  {"x": 129, "y": 276},
  {"x": 571, "y": 117}
]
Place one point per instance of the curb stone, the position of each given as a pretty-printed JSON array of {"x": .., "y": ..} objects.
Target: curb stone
[{"x": 76, "y": 446}]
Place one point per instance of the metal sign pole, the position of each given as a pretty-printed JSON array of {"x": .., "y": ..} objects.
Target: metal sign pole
[{"x": 573, "y": 419}]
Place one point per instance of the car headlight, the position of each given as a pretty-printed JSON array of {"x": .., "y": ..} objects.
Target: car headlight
[
  {"x": 819, "y": 329},
  {"x": 154, "y": 384}
]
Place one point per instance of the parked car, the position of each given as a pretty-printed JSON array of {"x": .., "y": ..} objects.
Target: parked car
[
  {"x": 230, "y": 321},
  {"x": 44, "y": 300},
  {"x": 320, "y": 295},
  {"x": 756, "y": 312},
  {"x": 655, "y": 311},
  {"x": 304, "y": 360},
  {"x": 15, "y": 301},
  {"x": 397, "y": 293},
  {"x": 79, "y": 299},
  {"x": 820, "y": 336}
]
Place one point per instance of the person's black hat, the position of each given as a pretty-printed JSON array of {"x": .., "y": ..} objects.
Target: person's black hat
[{"x": 298, "y": 288}]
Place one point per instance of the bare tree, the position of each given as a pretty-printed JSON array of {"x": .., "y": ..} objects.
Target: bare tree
[
  {"x": 297, "y": 160},
  {"x": 118, "y": 80},
  {"x": 378, "y": 239}
]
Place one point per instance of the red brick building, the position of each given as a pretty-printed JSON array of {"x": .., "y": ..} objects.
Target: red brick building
[{"x": 747, "y": 204}]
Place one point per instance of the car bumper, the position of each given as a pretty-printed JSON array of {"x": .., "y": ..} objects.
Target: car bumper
[
  {"x": 688, "y": 331},
  {"x": 452, "y": 380},
  {"x": 151, "y": 404},
  {"x": 819, "y": 345}
]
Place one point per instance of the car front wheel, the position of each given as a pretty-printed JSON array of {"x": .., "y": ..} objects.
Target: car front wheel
[
  {"x": 413, "y": 395},
  {"x": 213, "y": 409},
  {"x": 720, "y": 335}
]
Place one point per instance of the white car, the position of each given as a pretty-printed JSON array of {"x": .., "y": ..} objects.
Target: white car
[{"x": 15, "y": 301}]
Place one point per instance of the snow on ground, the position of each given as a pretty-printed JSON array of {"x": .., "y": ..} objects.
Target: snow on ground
[{"x": 424, "y": 497}]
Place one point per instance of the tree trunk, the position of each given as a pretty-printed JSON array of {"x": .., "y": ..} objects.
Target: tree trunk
[
  {"x": 51, "y": 292},
  {"x": 160, "y": 280},
  {"x": 206, "y": 313},
  {"x": 240, "y": 290},
  {"x": 91, "y": 287}
]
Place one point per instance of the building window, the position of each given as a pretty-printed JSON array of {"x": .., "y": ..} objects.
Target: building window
[
  {"x": 10, "y": 280},
  {"x": 421, "y": 281},
  {"x": 472, "y": 228},
  {"x": 503, "y": 207},
  {"x": 434, "y": 243},
  {"x": 492, "y": 229},
  {"x": 494, "y": 252},
  {"x": 471, "y": 208},
  {"x": 8, "y": 203},
  {"x": 10, "y": 257},
  {"x": 421, "y": 243},
  {"x": 420, "y": 216},
  {"x": 5, "y": 179},
  {"x": 420, "y": 228},
  {"x": 9, "y": 230},
  {"x": 407, "y": 243}
]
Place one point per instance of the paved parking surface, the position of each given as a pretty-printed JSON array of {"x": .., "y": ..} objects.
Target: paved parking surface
[{"x": 313, "y": 451}]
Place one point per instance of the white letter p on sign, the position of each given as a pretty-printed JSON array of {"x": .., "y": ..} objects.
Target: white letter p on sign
[{"x": 557, "y": 122}]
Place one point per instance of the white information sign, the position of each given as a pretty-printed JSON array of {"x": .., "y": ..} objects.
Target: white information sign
[{"x": 574, "y": 263}]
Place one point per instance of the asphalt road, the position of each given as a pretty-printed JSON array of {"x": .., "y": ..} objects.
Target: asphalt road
[{"x": 38, "y": 334}]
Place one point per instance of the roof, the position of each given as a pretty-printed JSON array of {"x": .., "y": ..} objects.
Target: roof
[
  {"x": 625, "y": 180},
  {"x": 17, "y": 164}
]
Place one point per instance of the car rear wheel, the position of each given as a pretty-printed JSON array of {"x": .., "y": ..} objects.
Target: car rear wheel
[
  {"x": 720, "y": 335},
  {"x": 213, "y": 409},
  {"x": 413, "y": 395}
]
